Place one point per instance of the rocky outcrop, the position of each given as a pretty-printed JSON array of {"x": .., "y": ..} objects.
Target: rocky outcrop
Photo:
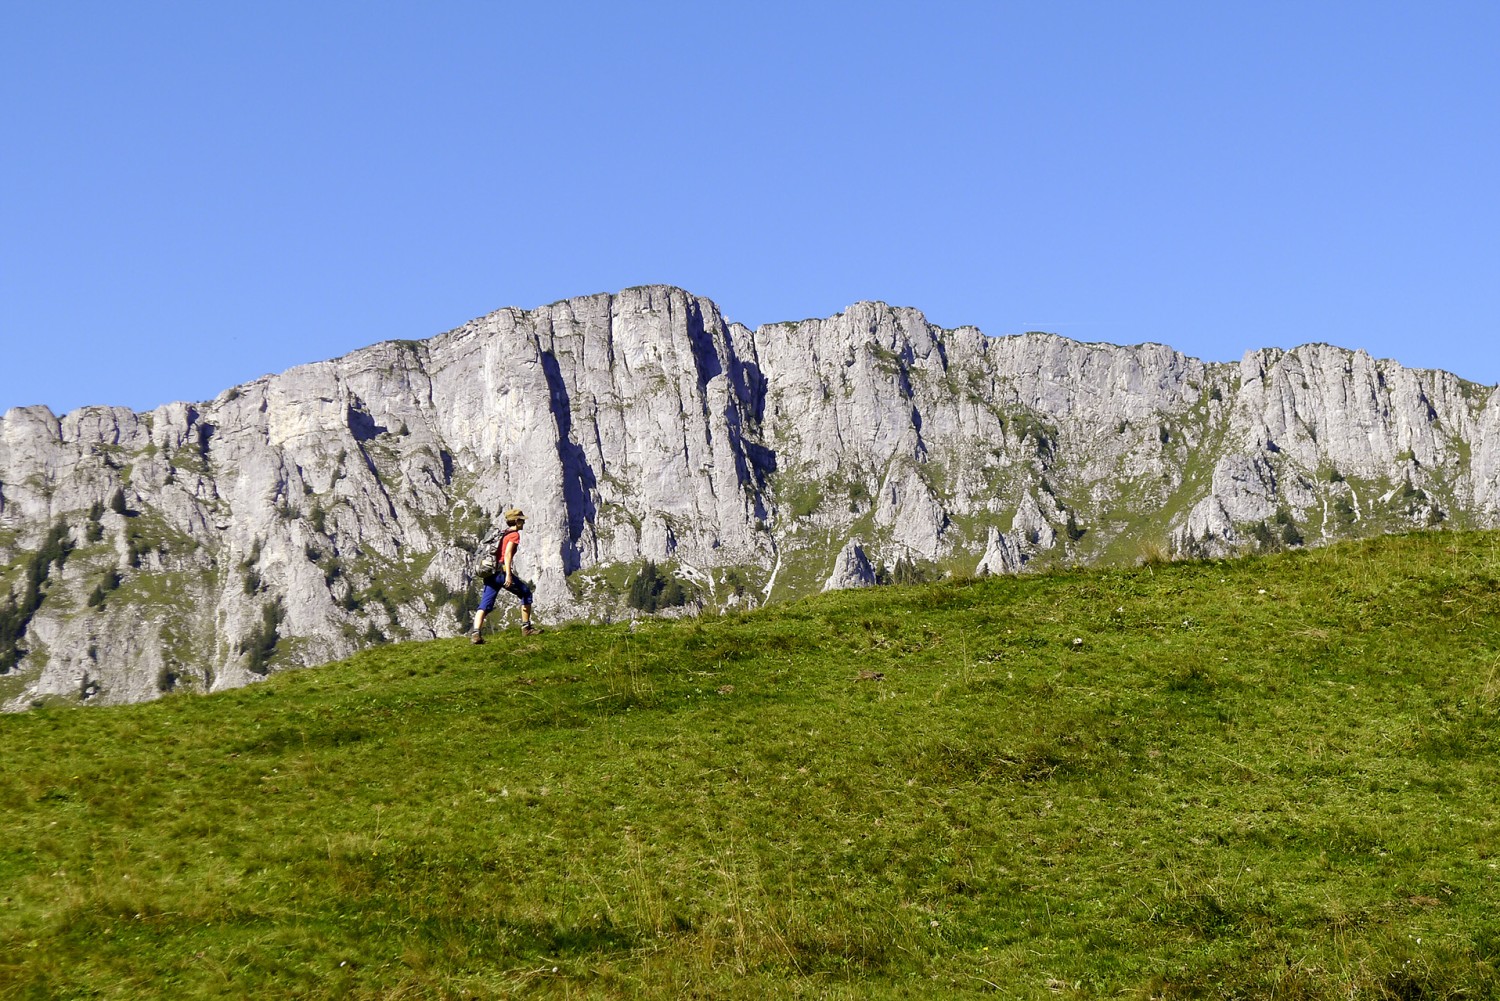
[
  {"x": 299, "y": 517},
  {"x": 851, "y": 568}
]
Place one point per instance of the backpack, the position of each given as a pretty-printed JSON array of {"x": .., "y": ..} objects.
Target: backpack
[{"x": 488, "y": 565}]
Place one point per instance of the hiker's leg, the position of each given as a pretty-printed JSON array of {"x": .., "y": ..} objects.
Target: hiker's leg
[
  {"x": 520, "y": 589},
  {"x": 486, "y": 602}
]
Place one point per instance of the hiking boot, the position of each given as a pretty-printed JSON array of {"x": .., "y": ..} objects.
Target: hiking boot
[
  {"x": 477, "y": 638},
  {"x": 529, "y": 630}
]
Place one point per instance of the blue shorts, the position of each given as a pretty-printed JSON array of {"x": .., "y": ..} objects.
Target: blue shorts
[{"x": 493, "y": 587}]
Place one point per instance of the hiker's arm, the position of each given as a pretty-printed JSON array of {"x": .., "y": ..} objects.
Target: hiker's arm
[{"x": 510, "y": 547}]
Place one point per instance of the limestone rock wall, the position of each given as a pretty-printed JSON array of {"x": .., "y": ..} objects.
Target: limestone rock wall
[{"x": 301, "y": 516}]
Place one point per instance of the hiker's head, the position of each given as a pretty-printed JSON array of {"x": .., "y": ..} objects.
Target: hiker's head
[{"x": 515, "y": 516}]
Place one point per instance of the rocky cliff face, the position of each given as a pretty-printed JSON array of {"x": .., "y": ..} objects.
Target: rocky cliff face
[{"x": 301, "y": 516}]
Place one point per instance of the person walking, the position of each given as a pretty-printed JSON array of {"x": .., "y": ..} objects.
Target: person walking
[{"x": 505, "y": 577}]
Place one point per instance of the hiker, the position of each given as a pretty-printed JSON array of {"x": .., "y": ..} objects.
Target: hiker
[{"x": 506, "y": 578}]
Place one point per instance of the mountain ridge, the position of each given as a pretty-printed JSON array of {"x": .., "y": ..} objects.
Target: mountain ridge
[{"x": 337, "y": 504}]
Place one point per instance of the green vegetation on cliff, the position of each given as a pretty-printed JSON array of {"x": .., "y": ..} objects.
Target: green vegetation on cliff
[{"x": 1263, "y": 777}]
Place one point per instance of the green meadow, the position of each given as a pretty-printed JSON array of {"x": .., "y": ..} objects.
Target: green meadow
[{"x": 1275, "y": 776}]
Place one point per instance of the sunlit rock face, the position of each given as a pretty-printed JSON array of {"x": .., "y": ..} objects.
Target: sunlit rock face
[{"x": 302, "y": 516}]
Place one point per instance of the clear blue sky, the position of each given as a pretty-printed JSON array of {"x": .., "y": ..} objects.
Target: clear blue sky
[{"x": 197, "y": 193}]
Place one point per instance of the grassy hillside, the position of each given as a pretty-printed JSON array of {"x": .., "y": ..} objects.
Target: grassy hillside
[{"x": 1266, "y": 777}]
